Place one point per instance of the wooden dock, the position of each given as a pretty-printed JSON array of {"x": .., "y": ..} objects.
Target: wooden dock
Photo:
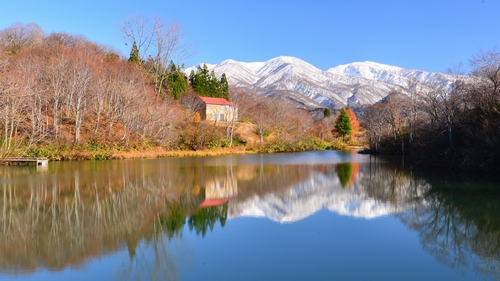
[{"x": 24, "y": 160}]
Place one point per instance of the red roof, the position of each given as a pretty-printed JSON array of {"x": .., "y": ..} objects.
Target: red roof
[
  {"x": 213, "y": 202},
  {"x": 219, "y": 101}
]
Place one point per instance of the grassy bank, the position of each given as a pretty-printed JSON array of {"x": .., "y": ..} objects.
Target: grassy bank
[
  {"x": 204, "y": 139},
  {"x": 95, "y": 151},
  {"x": 63, "y": 152}
]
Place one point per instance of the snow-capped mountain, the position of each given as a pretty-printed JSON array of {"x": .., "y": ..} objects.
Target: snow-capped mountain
[
  {"x": 351, "y": 84},
  {"x": 325, "y": 192}
]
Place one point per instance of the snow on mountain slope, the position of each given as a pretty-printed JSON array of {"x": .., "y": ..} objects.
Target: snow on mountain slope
[
  {"x": 351, "y": 84},
  {"x": 386, "y": 73},
  {"x": 238, "y": 73},
  {"x": 323, "y": 192}
]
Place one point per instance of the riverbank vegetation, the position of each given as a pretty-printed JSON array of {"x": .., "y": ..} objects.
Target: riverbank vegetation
[
  {"x": 65, "y": 97},
  {"x": 451, "y": 125}
]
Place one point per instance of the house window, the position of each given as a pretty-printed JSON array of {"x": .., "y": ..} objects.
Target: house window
[{"x": 222, "y": 117}]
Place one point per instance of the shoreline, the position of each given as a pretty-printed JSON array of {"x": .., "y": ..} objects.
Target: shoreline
[
  {"x": 56, "y": 153},
  {"x": 159, "y": 152}
]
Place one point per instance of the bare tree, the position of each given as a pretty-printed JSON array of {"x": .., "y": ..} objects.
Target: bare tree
[
  {"x": 486, "y": 66},
  {"x": 443, "y": 105},
  {"x": 411, "y": 108},
  {"x": 191, "y": 103},
  {"x": 4, "y": 60},
  {"x": 28, "y": 74},
  {"x": 373, "y": 121},
  {"x": 59, "y": 39},
  {"x": 56, "y": 73},
  {"x": 80, "y": 80},
  {"x": 19, "y": 36},
  {"x": 157, "y": 42},
  {"x": 262, "y": 116}
]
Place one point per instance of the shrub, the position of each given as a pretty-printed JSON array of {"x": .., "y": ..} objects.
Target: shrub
[
  {"x": 276, "y": 146},
  {"x": 337, "y": 145},
  {"x": 311, "y": 143}
]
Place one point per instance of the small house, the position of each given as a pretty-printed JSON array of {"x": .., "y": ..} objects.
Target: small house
[{"x": 218, "y": 109}]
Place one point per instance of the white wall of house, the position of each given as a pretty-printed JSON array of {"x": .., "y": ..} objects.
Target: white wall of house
[{"x": 216, "y": 112}]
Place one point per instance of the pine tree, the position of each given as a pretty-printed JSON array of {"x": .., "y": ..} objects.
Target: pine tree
[
  {"x": 327, "y": 112},
  {"x": 343, "y": 125},
  {"x": 213, "y": 85},
  {"x": 200, "y": 80},
  {"x": 176, "y": 80},
  {"x": 224, "y": 87},
  {"x": 205, "y": 83},
  {"x": 134, "y": 54}
]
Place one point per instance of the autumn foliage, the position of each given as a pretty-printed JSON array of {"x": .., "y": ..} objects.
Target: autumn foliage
[
  {"x": 449, "y": 125},
  {"x": 354, "y": 123},
  {"x": 65, "y": 89},
  {"x": 63, "y": 92},
  {"x": 346, "y": 125}
]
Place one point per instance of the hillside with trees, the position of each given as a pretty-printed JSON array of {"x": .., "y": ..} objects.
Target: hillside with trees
[
  {"x": 452, "y": 125},
  {"x": 65, "y": 97}
]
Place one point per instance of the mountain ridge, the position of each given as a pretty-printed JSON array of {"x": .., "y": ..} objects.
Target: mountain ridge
[{"x": 353, "y": 84}]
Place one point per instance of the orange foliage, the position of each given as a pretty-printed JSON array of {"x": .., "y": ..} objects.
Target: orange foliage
[
  {"x": 354, "y": 174},
  {"x": 354, "y": 123}
]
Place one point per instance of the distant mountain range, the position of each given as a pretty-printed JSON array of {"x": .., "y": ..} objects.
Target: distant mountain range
[
  {"x": 353, "y": 84},
  {"x": 325, "y": 192}
]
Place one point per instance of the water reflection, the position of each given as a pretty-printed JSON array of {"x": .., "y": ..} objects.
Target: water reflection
[
  {"x": 347, "y": 173},
  {"x": 72, "y": 212},
  {"x": 460, "y": 229}
]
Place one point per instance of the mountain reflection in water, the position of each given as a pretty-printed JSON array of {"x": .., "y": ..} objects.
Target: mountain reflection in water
[{"x": 76, "y": 211}]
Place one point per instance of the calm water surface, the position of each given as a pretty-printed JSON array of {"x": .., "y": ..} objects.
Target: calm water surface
[{"x": 305, "y": 216}]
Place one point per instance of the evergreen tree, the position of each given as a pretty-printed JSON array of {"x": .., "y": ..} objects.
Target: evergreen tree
[
  {"x": 192, "y": 78},
  {"x": 200, "y": 80},
  {"x": 134, "y": 54},
  {"x": 176, "y": 81},
  {"x": 213, "y": 85},
  {"x": 343, "y": 125},
  {"x": 327, "y": 112},
  {"x": 205, "y": 83},
  {"x": 224, "y": 87}
]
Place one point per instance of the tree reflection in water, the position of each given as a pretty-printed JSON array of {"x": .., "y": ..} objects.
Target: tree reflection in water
[
  {"x": 206, "y": 218},
  {"x": 460, "y": 229},
  {"x": 68, "y": 215},
  {"x": 344, "y": 171}
]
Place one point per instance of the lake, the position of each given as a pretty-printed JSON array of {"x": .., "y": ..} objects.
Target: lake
[{"x": 324, "y": 215}]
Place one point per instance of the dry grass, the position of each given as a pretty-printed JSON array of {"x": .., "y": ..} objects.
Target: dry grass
[
  {"x": 245, "y": 131},
  {"x": 159, "y": 152}
]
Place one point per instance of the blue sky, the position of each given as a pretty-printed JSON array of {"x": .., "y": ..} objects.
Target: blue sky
[{"x": 430, "y": 35}]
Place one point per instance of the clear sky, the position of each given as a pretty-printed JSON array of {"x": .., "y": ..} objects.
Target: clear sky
[{"x": 430, "y": 35}]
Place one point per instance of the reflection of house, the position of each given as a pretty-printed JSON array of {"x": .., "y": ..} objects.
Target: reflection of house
[
  {"x": 218, "y": 109},
  {"x": 218, "y": 191}
]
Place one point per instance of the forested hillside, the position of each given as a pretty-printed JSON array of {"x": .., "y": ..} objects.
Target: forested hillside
[
  {"x": 65, "y": 97},
  {"x": 450, "y": 125},
  {"x": 62, "y": 91}
]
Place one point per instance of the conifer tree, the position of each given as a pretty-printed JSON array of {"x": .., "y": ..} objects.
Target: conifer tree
[
  {"x": 327, "y": 112},
  {"x": 343, "y": 125},
  {"x": 176, "y": 81},
  {"x": 213, "y": 85},
  {"x": 200, "y": 80},
  {"x": 205, "y": 83},
  {"x": 224, "y": 87},
  {"x": 354, "y": 123},
  {"x": 134, "y": 54}
]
